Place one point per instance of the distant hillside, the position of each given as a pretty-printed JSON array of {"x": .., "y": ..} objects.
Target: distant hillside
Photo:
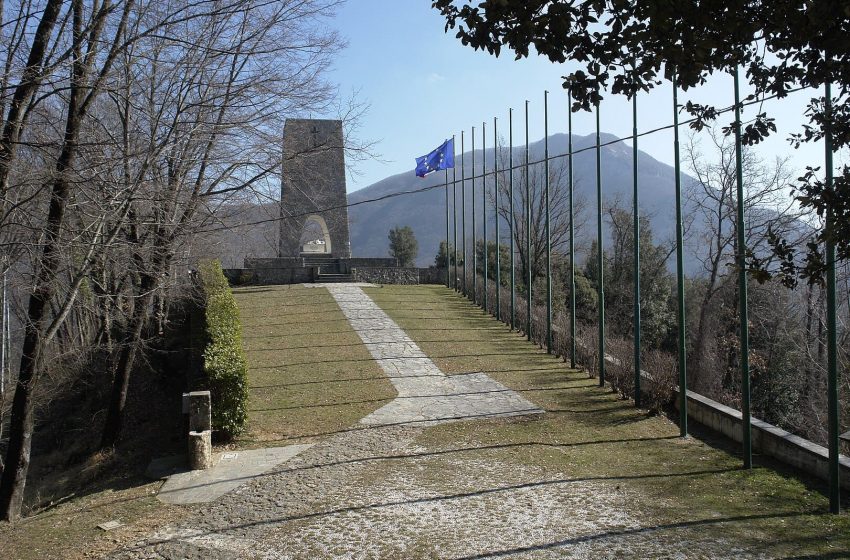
[
  {"x": 425, "y": 212},
  {"x": 252, "y": 230}
]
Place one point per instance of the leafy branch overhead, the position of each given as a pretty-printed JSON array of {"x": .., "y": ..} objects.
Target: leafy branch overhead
[{"x": 628, "y": 47}]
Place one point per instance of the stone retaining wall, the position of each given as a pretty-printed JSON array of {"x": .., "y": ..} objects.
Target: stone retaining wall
[
  {"x": 386, "y": 275},
  {"x": 269, "y": 275},
  {"x": 766, "y": 438}
]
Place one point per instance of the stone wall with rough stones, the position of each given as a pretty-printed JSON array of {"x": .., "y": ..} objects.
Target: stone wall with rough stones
[
  {"x": 269, "y": 275},
  {"x": 386, "y": 275}
]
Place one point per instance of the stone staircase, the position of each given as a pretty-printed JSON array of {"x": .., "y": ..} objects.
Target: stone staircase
[
  {"x": 329, "y": 269},
  {"x": 334, "y": 278}
]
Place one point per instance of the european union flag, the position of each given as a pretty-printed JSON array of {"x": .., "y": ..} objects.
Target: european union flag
[{"x": 441, "y": 158}]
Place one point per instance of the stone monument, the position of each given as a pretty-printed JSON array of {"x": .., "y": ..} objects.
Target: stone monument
[
  {"x": 314, "y": 216},
  {"x": 314, "y": 241}
]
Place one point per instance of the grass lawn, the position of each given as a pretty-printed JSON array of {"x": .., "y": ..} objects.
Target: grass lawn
[
  {"x": 682, "y": 487},
  {"x": 309, "y": 373}
]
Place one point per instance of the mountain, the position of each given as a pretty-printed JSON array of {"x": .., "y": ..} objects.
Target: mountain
[{"x": 425, "y": 212}]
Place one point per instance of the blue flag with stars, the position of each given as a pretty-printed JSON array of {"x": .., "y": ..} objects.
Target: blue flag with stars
[{"x": 441, "y": 158}]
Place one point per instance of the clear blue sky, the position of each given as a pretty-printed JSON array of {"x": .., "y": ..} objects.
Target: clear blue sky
[{"x": 423, "y": 86}]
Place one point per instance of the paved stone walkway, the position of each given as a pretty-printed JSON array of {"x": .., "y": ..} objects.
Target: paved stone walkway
[
  {"x": 425, "y": 394},
  {"x": 229, "y": 471}
]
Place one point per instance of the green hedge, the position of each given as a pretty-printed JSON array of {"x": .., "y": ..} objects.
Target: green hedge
[{"x": 224, "y": 361}]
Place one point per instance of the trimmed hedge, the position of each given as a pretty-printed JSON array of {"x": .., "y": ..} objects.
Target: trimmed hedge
[{"x": 224, "y": 361}]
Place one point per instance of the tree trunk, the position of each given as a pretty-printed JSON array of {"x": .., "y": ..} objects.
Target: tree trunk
[{"x": 121, "y": 379}]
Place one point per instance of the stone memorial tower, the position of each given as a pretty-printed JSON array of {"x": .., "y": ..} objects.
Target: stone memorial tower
[{"x": 312, "y": 180}]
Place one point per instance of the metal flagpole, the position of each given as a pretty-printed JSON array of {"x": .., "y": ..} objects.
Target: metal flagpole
[
  {"x": 448, "y": 270},
  {"x": 454, "y": 209},
  {"x": 680, "y": 270},
  {"x": 548, "y": 232},
  {"x": 484, "y": 204},
  {"x": 636, "y": 248},
  {"x": 600, "y": 245},
  {"x": 498, "y": 240},
  {"x": 831, "y": 324},
  {"x": 511, "y": 192},
  {"x": 474, "y": 244},
  {"x": 742, "y": 285},
  {"x": 527, "y": 229},
  {"x": 572, "y": 235},
  {"x": 463, "y": 207}
]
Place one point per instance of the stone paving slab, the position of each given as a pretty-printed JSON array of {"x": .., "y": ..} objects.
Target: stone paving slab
[
  {"x": 425, "y": 394},
  {"x": 231, "y": 470}
]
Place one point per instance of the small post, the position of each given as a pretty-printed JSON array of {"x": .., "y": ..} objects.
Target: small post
[
  {"x": 680, "y": 270},
  {"x": 200, "y": 430}
]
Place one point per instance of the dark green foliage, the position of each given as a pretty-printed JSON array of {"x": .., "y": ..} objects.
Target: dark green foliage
[
  {"x": 586, "y": 298},
  {"x": 224, "y": 361},
  {"x": 657, "y": 306},
  {"x": 504, "y": 260},
  {"x": 403, "y": 245},
  {"x": 779, "y": 46},
  {"x": 442, "y": 258}
]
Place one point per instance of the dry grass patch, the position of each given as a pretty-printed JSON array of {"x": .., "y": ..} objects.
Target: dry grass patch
[
  {"x": 309, "y": 373},
  {"x": 69, "y": 530}
]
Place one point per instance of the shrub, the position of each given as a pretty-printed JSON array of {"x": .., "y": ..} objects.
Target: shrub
[
  {"x": 657, "y": 388},
  {"x": 224, "y": 364}
]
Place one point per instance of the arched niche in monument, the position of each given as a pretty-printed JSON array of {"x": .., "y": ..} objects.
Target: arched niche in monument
[
  {"x": 313, "y": 187},
  {"x": 315, "y": 237}
]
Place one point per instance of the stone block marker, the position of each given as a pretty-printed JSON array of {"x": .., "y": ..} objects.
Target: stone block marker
[
  {"x": 200, "y": 430},
  {"x": 200, "y": 411},
  {"x": 200, "y": 450}
]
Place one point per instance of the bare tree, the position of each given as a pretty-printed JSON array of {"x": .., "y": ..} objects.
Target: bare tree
[
  {"x": 559, "y": 226},
  {"x": 767, "y": 206},
  {"x": 130, "y": 125}
]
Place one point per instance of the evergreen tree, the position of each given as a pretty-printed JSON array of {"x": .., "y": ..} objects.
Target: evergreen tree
[{"x": 403, "y": 245}]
